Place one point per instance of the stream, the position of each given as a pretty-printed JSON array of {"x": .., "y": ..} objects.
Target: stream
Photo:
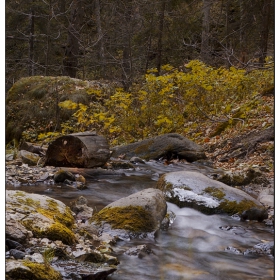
[{"x": 196, "y": 246}]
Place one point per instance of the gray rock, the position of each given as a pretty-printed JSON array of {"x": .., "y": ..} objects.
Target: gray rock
[
  {"x": 195, "y": 190},
  {"x": 267, "y": 200},
  {"x": 16, "y": 231},
  {"x": 254, "y": 214},
  {"x": 140, "y": 212},
  {"x": 44, "y": 217},
  {"x": 170, "y": 145},
  {"x": 140, "y": 251},
  {"x": 17, "y": 254},
  {"x": 29, "y": 158},
  {"x": 61, "y": 175},
  {"x": 13, "y": 244}
]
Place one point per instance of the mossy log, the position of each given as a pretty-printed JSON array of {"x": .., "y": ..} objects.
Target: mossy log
[{"x": 85, "y": 149}]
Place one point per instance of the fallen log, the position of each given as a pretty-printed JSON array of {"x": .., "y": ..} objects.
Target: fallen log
[{"x": 85, "y": 149}]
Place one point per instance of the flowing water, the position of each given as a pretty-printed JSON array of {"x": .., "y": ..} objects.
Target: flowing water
[{"x": 196, "y": 246}]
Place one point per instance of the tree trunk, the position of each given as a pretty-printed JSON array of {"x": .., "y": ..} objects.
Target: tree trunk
[
  {"x": 161, "y": 26},
  {"x": 85, "y": 149},
  {"x": 266, "y": 12},
  {"x": 70, "y": 61},
  {"x": 100, "y": 37},
  {"x": 126, "y": 59},
  {"x": 205, "y": 47},
  {"x": 31, "y": 43}
]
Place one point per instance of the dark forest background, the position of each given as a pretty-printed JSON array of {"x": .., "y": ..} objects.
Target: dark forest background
[{"x": 120, "y": 40}]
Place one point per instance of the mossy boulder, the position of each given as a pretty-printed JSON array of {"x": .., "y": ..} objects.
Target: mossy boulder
[
  {"x": 138, "y": 213},
  {"x": 40, "y": 214},
  {"x": 32, "y": 103},
  {"x": 195, "y": 190},
  {"x": 29, "y": 270},
  {"x": 171, "y": 145}
]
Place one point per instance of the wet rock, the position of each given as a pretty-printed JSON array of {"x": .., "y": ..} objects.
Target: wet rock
[
  {"x": 168, "y": 146},
  {"x": 11, "y": 244},
  {"x": 80, "y": 178},
  {"x": 254, "y": 214},
  {"x": 138, "y": 213},
  {"x": 195, "y": 190},
  {"x": 168, "y": 220},
  {"x": 137, "y": 160},
  {"x": 233, "y": 250},
  {"x": 140, "y": 251},
  {"x": 61, "y": 175},
  {"x": 17, "y": 254},
  {"x": 261, "y": 248},
  {"x": 80, "y": 208}
]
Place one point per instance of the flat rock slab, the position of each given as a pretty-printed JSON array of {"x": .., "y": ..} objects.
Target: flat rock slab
[
  {"x": 171, "y": 145},
  {"x": 195, "y": 190}
]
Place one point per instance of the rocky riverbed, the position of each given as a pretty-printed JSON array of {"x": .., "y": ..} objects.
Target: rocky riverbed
[{"x": 90, "y": 223}]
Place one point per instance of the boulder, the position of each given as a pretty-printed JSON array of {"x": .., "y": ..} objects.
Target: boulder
[
  {"x": 32, "y": 103},
  {"x": 138, "y": 213},
  {"x": 171, "y": 145},
  {"x": 18, "y": 269},
  {"x": 61, "y": 175},
  {"x": 42, "y": 215},
  {"x": 195, "y": 190},
  {"x": 85, "y": 149},
  {"x": 29, "y": 158}
]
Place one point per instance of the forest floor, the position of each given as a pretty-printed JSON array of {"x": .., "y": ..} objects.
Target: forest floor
[{"x": 219, "y": 149}]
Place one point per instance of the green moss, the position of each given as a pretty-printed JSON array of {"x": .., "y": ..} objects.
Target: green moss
[
  {"x": 215, "y": 192},
  {"x": 53, "y": 212},
  {"x": 62, "y": 222},
  {"x": 42, "y": 272},
  {"x": 33, "y": 271},
  {"x": 29, "y": 202},
  {"x": 233, "y": 207},
  {"x": 167, "y": 187},
  {"x": 19, "y": 193},
  {"x": 57, "y": 231},
  {"x": 132, "y": 218}
]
